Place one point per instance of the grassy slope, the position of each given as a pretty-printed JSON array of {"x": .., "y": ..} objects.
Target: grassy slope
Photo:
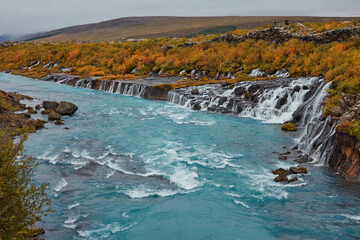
[{"x": 147, "y": 27}]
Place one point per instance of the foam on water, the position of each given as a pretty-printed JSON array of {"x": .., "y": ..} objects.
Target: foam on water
[
  {"x": 144, "y": 192},
  {"x": 71, "y": 206},
  {"x": 241, "y": 203},
  {"x": 352, "y": 217},
  {"x": 60, "y": 185},
  {"x": 105, "y": 231}
]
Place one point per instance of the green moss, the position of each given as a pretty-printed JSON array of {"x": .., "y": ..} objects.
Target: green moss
[
  {"x": 288, "y": 126},
  {"x": 349, "y": 127}
]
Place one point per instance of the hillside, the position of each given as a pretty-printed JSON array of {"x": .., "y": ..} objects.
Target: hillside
[{"x": 148, "y": 27}]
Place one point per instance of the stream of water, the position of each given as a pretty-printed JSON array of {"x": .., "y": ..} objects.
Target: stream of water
[{"x": 129, "y": 168}]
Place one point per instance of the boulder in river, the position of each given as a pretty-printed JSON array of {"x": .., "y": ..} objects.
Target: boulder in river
[
  {"x": 296, "y": 170},
  {"x": 195, "y": 91},
  {"x": 66, "y": 108},
  {"x": 32, "y": 111},
  {"x": 50, "y": 105},
  {"x": 303, "y": 159},
  {"x": 53, "y": 116},
  {"x": 282, "y": 178},
  {"x": 197, "y": 107},
  {"x": 59, "y": 122},
  {"x": 47, "y": 111},
  {"x": 297, "y": 88}
]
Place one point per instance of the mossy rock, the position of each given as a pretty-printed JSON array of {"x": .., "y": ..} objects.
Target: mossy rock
[
  {"x": 288, "y": 126},
  {"x": 47, "y": 111},
  {"x": 32, "y": 111},
  {"x": 53, "y": 116},
  {"x": 59, "y": 122}
]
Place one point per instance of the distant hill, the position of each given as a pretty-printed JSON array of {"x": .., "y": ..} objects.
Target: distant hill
[
  {"x": 147, "y": 27},
  {"x": 6, "y": 37}
]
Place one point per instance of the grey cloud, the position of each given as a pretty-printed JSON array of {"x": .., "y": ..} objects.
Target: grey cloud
[{"x": 26, "y": 16}]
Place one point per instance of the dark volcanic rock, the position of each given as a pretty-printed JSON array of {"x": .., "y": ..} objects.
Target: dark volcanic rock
[
  {"x": 197, "y": 107},
  {"x": 195, "y": 91},
  {"x": 304, "y": 159},
  {"x": 66, "y": 108},
  {"x": 296, "y": 170},
  {"x": 280, "y": 171},
  {"x": 239, "y": 91},
  {"x": 50, "y": 105},
  {"x": 282, "y": 101},
  {"x": 297, "y": 88},
  {"x": 282, "y": 178}
]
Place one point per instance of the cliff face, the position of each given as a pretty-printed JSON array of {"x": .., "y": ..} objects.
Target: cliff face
[
  {"x": 345, "y": 157},
  {"x": 143, "y": 88}
]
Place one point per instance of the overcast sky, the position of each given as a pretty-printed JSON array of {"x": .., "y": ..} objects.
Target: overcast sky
[{"x": 28, "y": 16}]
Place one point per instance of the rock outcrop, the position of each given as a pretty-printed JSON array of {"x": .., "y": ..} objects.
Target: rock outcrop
[
  {"x": 345, "y": 157},
  {"x": 281, "y": 34}
]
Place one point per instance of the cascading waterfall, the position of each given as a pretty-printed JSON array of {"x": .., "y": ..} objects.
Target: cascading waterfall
[
  {"x": 273, "y": 101},
  {"x": 118, "y": 87},
  {"x": 318, "y": 132}
]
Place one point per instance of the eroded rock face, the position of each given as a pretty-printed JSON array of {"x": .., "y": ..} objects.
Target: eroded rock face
[
  {"x": 66, "y": 108},
  {"x": 345, "y": 157},
  {"x": 348, "y": 109}
]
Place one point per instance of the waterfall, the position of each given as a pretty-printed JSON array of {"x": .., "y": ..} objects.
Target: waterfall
[
  {"x": 273, "y": 101},
  {"x": 318, "y": 133},
  {"x": 117, "y": 87}
]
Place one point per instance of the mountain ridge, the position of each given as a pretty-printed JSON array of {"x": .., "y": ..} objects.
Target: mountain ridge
[{"x": 166, "y": 26}]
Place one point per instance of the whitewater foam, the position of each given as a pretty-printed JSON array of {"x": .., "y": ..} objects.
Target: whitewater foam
[
  {"x": 105, "y": 230},
  {"x": 352, "y": 217},
  {"x": 60, "y": 185},
  {"x": 241, "y": 203}
]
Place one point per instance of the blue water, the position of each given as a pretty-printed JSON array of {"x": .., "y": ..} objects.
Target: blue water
[{"x": 129, "y": 168}]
